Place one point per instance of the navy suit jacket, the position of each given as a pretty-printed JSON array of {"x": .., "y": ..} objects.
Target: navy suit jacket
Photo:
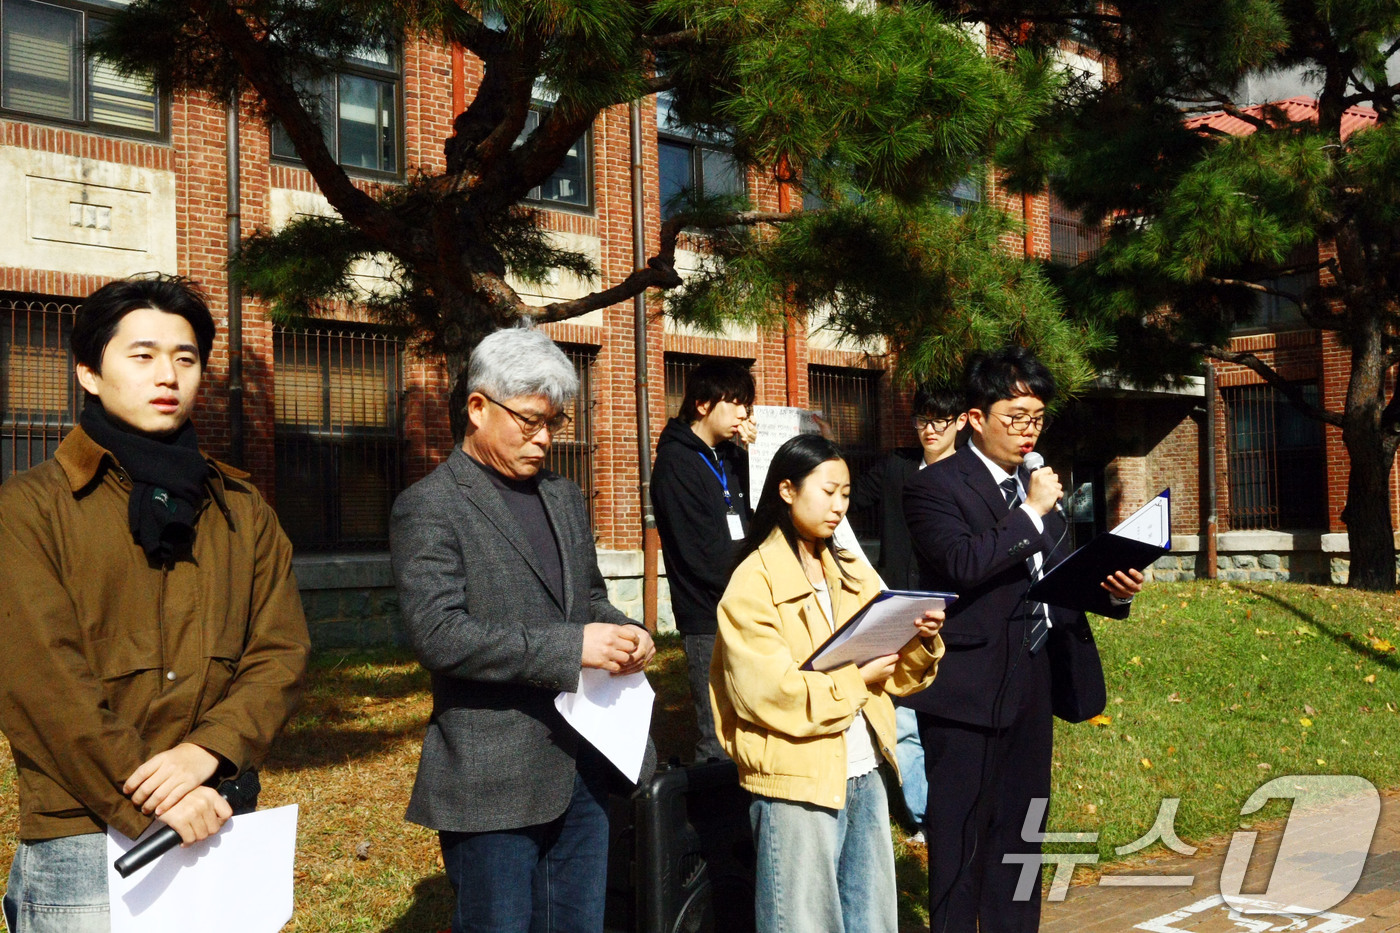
[{"x": 967, "y": 541}]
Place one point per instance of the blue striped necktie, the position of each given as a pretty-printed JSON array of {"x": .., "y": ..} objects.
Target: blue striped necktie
[{"x": 1040, "y": 625}]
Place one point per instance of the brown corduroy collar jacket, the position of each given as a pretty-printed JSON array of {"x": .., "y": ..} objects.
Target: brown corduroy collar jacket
[{"x": 110, "y": 658}]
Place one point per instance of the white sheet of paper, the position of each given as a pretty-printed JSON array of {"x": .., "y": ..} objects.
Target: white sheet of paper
[
  {"x": 1151, "y": 524},
  {"x": 237, "y": 881},
  {"x": 613, "y": 713},
  {"x": 886, "y": 627},
  {"x": 775, "y": 423}
]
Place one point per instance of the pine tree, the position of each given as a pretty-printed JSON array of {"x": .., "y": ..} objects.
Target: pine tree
[
  {"x": 1204, "y": 222},
  {"x": 877, "y": 110}
]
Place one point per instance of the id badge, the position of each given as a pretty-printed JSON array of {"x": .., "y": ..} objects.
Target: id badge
[{"x": 736, "y": 527}]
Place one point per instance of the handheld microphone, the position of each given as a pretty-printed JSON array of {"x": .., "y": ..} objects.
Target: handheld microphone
[
  {"x": 242, "y": 796},
  {"x": 1034, "y": 461}
]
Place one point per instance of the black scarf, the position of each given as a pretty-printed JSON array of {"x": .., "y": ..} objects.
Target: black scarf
[{"x": 167, "y": 477}]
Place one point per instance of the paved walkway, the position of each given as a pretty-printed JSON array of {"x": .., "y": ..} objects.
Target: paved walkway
[{"x": 1372, "y": 906}]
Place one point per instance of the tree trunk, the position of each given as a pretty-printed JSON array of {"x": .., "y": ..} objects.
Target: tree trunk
[
  {"x": 1371, "y": 451},
  {"x": 1367, "y": 514}
]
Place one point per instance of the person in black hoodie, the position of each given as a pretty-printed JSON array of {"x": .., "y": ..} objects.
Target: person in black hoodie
[{"x": 698, "y": 491}]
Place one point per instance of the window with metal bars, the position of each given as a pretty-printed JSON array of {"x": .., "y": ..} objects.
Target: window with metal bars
[
  {"x": 1277, "y": 461},
  {"x": 39, "y": 394},
  {"x": 1072, "y": 241},
  {"x": 849, "y": 401},
  {"x": 677, "y": 368},
  {"x": 571, "y": 450},
  {"x": 45, "y": 71},
  {"x": 338, "y": 436}
]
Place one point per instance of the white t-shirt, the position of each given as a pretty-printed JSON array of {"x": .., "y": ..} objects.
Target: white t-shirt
[{"x": 860, "y": 747}]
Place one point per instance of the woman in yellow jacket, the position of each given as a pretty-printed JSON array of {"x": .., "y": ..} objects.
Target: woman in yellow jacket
[{"x": 808, "y": 744}]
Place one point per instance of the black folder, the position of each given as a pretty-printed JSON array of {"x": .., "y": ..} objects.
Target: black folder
[{"x": 1074, "y": 582}]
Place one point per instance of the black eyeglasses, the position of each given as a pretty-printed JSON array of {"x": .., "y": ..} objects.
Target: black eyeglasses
[
  {"x": 1020, "y": 421},
  {"x": 939, "y": 424},
  {"x": 530, "y": 426}
]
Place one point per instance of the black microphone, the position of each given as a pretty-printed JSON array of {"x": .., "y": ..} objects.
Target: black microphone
[
  {"x": 242, "y": 796},
  {"x": 1034, "y": 461}
]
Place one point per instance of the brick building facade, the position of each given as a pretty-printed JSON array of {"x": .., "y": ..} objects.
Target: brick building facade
[{"x": 340, "y": 415}]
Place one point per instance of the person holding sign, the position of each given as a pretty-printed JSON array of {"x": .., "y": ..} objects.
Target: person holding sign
[
  {"x": 698, "y": 491},
  {"x": 985, "y": 526},
  {"x": 808, "y": 744}
]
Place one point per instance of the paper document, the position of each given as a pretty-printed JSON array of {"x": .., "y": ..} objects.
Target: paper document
[
  {"x": 775, "y": 423},
  {"x": 883, "y": 627},
  {"x": 613, "y": 713},
  {"x": 1151, "y": 524},
  {"x": 237, "y": 881},
  {"x": 1074, "y": 583}
]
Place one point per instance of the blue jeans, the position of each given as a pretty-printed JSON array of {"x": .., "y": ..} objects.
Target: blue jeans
[
  {"x": 59, "y": 886},
  {"x": 547, "y": 878},
  {"x": 909, "y": 752},
  {"x": 825, "y": 871}
]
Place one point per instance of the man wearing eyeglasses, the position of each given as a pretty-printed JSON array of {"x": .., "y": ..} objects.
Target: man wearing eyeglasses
[
  {"x": 985, "y": 527},
  {"x": 503, "y": 603},
  {"x": 938, "y": 417}
]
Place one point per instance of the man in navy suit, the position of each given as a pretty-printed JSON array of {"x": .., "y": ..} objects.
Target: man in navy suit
[{"x": 985, "y": 527}]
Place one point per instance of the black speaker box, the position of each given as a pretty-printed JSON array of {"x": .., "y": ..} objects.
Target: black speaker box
[{"x": 681, "y": 857}]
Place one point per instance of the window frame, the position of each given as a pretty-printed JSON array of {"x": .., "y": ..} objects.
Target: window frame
[
  {"x": 37, "y": 432},
  {"x": 391, "y": 74},
  {"x": 590, "y": 205},
  {"x": 326, "y": 443},
  {"x": 1285, "y": 480},
  {"x": 87, "y": 10},
  {"x": 865, "y": 453},
  {"x": 698, "y": 146},
  {"x": 583, "y": 443}
]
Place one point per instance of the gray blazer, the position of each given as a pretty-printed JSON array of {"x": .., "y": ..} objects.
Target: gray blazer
[{"x": 499, "y": 645}]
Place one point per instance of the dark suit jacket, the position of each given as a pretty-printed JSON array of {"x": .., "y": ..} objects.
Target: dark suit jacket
[
  {"x": 883, "y": 485},
  {"x": 968, "y": 542},
  {"x": 500, "y": 646}
]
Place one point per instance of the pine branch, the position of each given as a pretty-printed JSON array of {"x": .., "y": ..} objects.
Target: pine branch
[
  {"x": 1285, "y": 388},
  {"x": 655, "y": 274},
  {"x": 659, "y": 83},
  {"x": 660, "y": 270},
  {"x": 1252, "y": 286},
  {"x": 671, "y": 40},
  {"x": 275, "y": 86},
  {"x": 1234, "y": 110}
]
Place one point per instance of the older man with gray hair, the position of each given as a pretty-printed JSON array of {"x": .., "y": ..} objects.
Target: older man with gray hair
[{"x": 504, "y": 605}]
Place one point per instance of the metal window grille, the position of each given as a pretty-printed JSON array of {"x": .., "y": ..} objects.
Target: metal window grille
[
  {"x": 338, "y": 436},
  {"x": 571, "y": 450},
  {"x": 39, "y": 394},
  {"x": 678, "y": 367},
  {"x": 1277, "y": 461},
  {"x": 849, "y": 400},
  {"x": 1072, "y": 241}
]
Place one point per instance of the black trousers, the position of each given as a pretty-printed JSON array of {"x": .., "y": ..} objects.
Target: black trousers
[{"x": 980, "y": 785}]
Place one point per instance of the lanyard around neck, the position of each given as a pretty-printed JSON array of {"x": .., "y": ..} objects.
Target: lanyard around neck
[{"x": 720, "y": 475}]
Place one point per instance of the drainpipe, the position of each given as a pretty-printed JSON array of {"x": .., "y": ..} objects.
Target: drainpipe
[
  {"x": 1209, "y": 552},
  {"x": 789, "y": 316},
  {"x": 235, "y": 291},
  {"x": 651, "y": 539}
]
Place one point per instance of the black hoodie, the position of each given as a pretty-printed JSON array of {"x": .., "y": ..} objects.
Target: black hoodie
[{"x": 688, "y": 499}]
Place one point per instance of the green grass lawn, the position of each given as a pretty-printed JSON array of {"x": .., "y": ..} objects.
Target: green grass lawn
[{"x": 1214, "y": 689}]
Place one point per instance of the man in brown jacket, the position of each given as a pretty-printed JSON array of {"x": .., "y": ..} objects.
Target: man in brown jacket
[{"x": 154, "y": 638}]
